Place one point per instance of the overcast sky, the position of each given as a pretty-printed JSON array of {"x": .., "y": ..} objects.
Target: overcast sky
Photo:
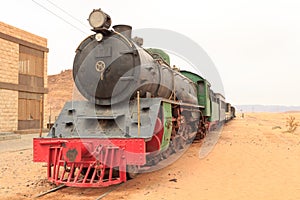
[{"x": 253, "y": 43}]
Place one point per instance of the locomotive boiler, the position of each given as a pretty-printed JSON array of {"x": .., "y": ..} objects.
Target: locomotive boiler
[
  {"x": 138, "y": 111},
  {"x": 110, "y": 68}
]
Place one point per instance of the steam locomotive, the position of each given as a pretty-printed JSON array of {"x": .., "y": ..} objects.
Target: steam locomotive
[{"x": 138, "y": 111}]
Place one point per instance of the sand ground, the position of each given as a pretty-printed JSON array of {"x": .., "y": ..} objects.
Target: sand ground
[{"x": 253, "y": 159}]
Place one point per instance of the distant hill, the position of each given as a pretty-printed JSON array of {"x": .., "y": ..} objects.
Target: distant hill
[
  {"x": 266, "y": 108},
  {"x": 61, "y": 89}
]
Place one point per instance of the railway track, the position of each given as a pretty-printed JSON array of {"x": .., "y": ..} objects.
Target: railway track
[
  {"x": 50, "y": 191},
  {"x": 105, "y": 191}
]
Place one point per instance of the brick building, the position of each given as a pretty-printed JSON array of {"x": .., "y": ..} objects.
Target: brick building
[{"x": 23, "y": 80}]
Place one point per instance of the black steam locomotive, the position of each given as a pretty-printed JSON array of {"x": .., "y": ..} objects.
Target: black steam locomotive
[{"x": 139, "y": 111}]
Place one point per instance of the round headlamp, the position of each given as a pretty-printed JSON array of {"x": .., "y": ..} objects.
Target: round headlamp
[
  {"x": 98, "y": 37},
  {"x": 99, "y": 19}
]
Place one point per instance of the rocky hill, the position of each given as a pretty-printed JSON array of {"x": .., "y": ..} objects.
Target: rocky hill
[{"x": 61, "y": 89}]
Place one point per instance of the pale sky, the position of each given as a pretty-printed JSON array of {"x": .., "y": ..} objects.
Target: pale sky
[{"x": 253, "y": 43}]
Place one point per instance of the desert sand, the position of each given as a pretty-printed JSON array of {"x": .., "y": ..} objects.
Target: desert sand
[{"x": 254, "y": 158}]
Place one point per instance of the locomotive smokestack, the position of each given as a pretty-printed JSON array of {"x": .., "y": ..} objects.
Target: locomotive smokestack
[{"x": 124, "y": 30}]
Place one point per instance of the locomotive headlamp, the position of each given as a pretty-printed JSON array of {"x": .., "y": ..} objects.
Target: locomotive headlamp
[
  {"x": 99, "y": 19},
  {"x": 98, "y": 37}
]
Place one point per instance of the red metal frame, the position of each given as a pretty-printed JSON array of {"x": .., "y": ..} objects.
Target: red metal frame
[{"x": 88, "y": 162}]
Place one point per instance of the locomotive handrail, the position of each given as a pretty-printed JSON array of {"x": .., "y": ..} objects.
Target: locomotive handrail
[
  {"x": 182, "y": 104},
  {"x": 53, "y": 142},
  {"x": 122, "y": 36},
  {"x": 101, "y": 117}
]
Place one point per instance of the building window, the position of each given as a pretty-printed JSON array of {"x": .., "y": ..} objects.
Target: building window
[{"x": 31, "y": 61}]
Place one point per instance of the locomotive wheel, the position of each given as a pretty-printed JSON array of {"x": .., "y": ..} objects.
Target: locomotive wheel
[
  {"x": 202, "y": 135},
  {"x": 177, "y": 144},
  {"x": 167, "y": 153},
  {"x": 132, "y": 171},
  {"x": 182, "y": 142}
]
